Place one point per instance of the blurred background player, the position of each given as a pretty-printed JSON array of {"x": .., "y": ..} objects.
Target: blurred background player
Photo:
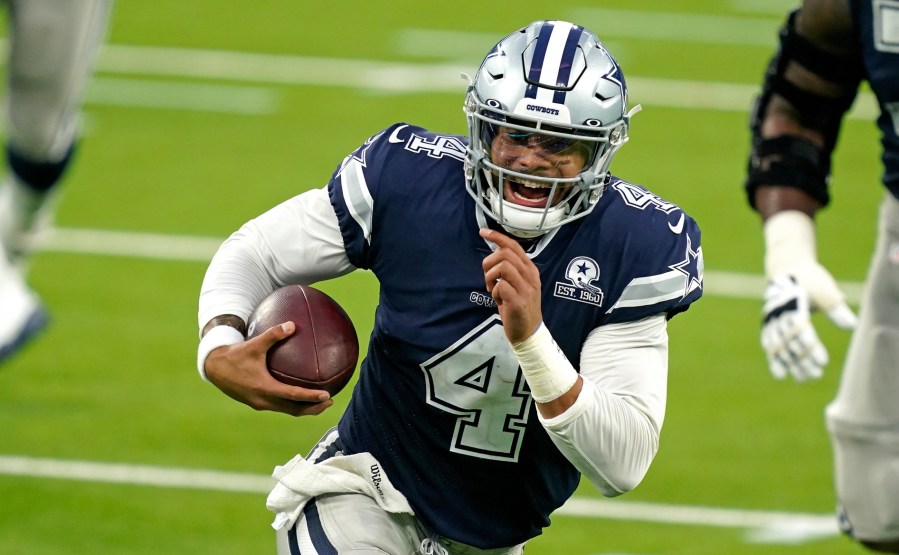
[
  {"x": 827, "y": 48},
  {"x": 52, "y": 46}
]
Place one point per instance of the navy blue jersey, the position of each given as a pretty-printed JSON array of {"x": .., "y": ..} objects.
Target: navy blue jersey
[
  {"x": 441, "y": 401},
  {"x": 879, "y": 40}
]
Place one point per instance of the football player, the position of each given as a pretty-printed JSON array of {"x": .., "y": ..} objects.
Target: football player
[
  {"x": 520, "y": 337},
  {"x": 827, "y": 47},
  {"x": 52, "y": 48}
]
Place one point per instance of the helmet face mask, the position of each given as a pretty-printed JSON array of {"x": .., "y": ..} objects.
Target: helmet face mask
[{"x": 554, "y": 93}]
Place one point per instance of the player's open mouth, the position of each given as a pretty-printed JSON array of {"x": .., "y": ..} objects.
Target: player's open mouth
[{"x": 528, "y": 193}]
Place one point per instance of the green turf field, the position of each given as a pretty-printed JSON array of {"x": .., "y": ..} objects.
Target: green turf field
[{"x": 205, "y": 113}]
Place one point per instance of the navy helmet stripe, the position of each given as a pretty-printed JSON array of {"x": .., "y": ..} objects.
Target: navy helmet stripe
[
  {"x": 537, "y": 61},
  {"x": 568, "y": 57}
]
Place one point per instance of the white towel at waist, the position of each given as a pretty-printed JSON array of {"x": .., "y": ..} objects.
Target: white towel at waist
[{"x": 299, "y": 481}]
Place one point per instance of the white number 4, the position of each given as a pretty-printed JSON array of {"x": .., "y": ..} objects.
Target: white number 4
[{"x": 478, "y": 380}]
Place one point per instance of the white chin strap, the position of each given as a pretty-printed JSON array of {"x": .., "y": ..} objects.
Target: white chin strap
[{"x": 525, "y": 222}]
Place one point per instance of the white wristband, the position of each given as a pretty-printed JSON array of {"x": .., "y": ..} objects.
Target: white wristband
[
  {"x": 790, "y": 249},
  {"x": 789, "y": 242},
  {"x": 219, "y": 336},
  {"x": 546, "y": 368}
]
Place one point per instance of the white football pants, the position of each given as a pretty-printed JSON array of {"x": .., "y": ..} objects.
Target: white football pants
[{"x": 354, "y": 523}]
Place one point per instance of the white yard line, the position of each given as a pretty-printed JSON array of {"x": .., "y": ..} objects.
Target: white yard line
[
  {"x": 712, "y": 29},
  {"x": 757, "y": 27},
  {"x": 191, "y": 248},
  {"x": 761, "y": 526},
  {"x": 182, "y": 95},
  {"x": 366, "y": 75},
  {"x": 132, "y": 474},
  {"x": 130, "y": 244},
  {"x": 281, "y": 69}
]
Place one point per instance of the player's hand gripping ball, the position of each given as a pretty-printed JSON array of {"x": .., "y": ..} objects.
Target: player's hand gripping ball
[{"x": 323, "y": 351}]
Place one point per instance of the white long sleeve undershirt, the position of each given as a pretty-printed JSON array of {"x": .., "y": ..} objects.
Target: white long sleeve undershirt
[{"x": 611, "y": 433}]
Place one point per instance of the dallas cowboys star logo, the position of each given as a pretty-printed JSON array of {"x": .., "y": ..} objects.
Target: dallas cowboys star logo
[
  {"x": 359, "y": 154},
  {"x": 616, "y": 76},
  {"x": 691, "y": 266}
]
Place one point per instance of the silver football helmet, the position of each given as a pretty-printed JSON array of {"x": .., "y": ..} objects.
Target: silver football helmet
[{"x": 551, "y": 84}]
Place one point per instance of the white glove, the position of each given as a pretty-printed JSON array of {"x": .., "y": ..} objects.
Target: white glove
[{"x": 797, "y": 285}]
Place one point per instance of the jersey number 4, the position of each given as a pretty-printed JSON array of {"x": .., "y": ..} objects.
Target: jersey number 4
[{"x": 478, "y": 380}]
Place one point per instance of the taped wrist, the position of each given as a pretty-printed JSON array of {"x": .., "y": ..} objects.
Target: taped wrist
[
  {"x": 790, "y": 250},
  {"x": 789, "y": 242},
  {"x": 545, "y": 367},
  {"x": 219, "y": 336}
]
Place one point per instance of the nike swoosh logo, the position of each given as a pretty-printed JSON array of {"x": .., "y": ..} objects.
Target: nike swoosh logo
[
  {"x": 678, "y": 227},
  {"x": 395, "y": 136}
]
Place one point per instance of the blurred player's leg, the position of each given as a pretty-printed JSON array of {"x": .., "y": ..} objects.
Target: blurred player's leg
[
  {"x": 53, "y": 46},
  {"x": 863, "y": 419}
]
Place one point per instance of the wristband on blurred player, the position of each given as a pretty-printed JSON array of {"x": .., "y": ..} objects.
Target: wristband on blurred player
[
  {"x": 790, "y": 250},
  {"x": 797, "y": 284},
  {"x": 219, "y": 336},
  {"x": 545, "y": 367}
]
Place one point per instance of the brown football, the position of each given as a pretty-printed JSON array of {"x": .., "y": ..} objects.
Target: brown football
[{"x": 323, "y": 351}]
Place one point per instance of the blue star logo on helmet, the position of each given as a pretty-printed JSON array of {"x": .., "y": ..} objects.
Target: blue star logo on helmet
[{"x": 616, "y": 77}]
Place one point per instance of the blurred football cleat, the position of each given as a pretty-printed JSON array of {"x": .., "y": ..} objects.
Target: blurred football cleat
[{"x": 22, "y": 315}]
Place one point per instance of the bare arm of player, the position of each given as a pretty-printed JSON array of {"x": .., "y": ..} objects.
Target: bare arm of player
[
  {"x": 826, "y": 23},
  {"x": 514, "y": 282}
]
